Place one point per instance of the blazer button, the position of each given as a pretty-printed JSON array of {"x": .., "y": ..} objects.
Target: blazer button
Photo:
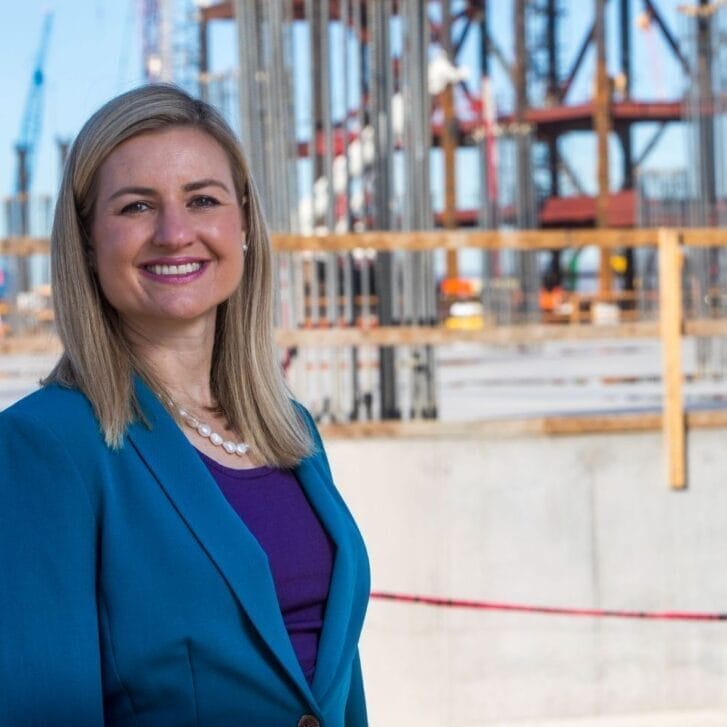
[{"x": 308, "y": 720}]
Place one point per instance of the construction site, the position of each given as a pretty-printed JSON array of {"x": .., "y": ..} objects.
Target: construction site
[{"x": 502, "y": 293}]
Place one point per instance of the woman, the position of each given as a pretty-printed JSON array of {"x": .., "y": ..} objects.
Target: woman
[{"x": 172, "y": 548}]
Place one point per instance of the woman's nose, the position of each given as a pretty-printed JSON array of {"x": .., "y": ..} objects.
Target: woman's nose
[{"x": 174, "y": 228}]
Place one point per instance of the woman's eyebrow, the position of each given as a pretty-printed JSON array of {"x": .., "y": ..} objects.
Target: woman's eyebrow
[
  {"x": 202, "y": 183},
  {"x": 143, "y": 191}
]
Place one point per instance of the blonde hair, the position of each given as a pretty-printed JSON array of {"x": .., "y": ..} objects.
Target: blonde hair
[{"x": 246, "y": 378}]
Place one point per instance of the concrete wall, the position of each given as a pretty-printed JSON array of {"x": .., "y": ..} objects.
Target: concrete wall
[{"x": 571, "y": 521}]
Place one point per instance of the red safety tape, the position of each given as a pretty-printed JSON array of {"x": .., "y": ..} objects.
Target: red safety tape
[{"x": 550, "y": 610}]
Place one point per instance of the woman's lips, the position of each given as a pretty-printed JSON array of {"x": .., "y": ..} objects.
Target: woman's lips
[{"x": 178, "y": 272}]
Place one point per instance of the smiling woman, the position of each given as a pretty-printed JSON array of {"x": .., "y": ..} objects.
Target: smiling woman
[
  {"x": 172, "y": 545},
  {"x": 167, "y": 232}
]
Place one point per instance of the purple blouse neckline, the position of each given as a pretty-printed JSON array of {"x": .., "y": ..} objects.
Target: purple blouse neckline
[
  {"x": 274, "y": 508},
  {"x": 247, "y": 473}
]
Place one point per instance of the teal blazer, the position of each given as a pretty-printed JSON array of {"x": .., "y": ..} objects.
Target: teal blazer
[{"x": 132, "y": 594}]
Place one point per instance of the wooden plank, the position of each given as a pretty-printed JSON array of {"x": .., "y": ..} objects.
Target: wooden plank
[
  {"x": 706, "y": 327},
  {"x": 602, "y": 423},
  {"x": 438, "y": 335},
  {"x": 37, "y": 343},
  {"x": 413, "y": 335},
  {"x": 448, "y": 240},
  {"x": 602, "y": 127},
  {"x": 670, "y": 313},
  {"x": 462, "y": 239},
  {"x": 24, "y": 246},
  {"x": 532, "y": 426},
  {"x": 703, "y": 236},
  {"x": 496, "y": 428},
  {"x": 449, "y": 145},
  {"x": 715, "y": 419}
]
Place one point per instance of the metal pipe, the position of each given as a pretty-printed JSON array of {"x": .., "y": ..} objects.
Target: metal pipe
[
  {"x": 601, "y": 124},
  {"x": 379, "y": 57},
  {"x": 449, "y": 142}
]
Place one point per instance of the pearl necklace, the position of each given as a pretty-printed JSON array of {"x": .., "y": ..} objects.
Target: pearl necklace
[{"x": 206, "y": 431}]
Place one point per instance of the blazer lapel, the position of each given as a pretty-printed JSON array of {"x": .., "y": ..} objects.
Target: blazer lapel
[
  {"x": 220, "y": 532},
  {"x": 349, "y": 586}
]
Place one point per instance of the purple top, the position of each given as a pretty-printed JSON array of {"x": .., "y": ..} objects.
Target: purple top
[{"x": 274, "y": 508}]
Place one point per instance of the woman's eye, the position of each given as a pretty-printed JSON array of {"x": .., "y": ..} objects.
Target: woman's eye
[
  {"x": 203, "y": 200},
  {"x": 134, "y": 207}
]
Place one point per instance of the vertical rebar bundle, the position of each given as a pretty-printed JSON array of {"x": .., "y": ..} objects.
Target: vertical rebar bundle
[
  {"x": 706, "y": 103},
  {"x": 335, "y": 115}
]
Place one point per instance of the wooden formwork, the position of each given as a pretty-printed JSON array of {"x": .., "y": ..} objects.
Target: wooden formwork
[{"x": 670, "y": 328}]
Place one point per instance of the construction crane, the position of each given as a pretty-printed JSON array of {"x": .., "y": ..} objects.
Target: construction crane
[
  {"x": 32, "y": 121},
  {"x": 19, "y": 223}
]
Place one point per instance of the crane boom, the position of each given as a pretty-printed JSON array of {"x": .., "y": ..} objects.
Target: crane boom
[{"x": 33, "y": 112}]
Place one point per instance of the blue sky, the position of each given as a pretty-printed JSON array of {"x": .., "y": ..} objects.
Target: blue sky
[{"x": 94, "y": 54}]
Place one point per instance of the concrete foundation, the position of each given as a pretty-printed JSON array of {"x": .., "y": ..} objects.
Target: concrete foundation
[{"x": 582, "y": 521}]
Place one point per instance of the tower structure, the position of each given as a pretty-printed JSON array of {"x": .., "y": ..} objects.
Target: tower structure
[
  {"x": 169, "y": 42},
  {"x": 156, "y": 34}
]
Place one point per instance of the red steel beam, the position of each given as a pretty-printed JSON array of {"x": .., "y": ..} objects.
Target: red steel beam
[{"x": 547, "y": 122}]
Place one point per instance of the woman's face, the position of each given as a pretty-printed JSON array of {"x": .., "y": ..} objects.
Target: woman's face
[{"x": 167, "y": 229}]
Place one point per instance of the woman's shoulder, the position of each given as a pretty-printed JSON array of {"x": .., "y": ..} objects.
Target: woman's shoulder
[
  {"x": 47, "y": 453},
  {"x": 50, "y": 442},
  {"x": 49, "y": 399},
  {"x": 57, "y": 408}
]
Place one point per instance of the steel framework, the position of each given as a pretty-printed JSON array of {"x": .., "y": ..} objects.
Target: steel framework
[{"x": 352, "y": 110}]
